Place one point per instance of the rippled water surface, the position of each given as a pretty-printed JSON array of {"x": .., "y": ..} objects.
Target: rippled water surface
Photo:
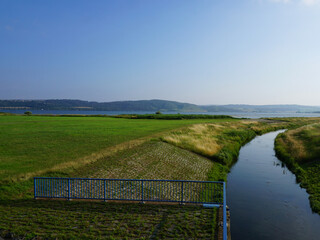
[{"x": 264, "y": 199}]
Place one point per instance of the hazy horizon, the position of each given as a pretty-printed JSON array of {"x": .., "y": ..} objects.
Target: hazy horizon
[
  {"x": 209, "y": 104},
  {"x": 252, "y": 52}
]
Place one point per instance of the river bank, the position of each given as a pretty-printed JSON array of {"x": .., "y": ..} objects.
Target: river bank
[{"x": 299, "y": 149}]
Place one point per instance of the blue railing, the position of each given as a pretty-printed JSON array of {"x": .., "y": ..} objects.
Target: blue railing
[{"x": 180, "y": 191}]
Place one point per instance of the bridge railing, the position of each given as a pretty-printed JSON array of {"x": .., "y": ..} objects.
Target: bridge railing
[{"x": 202, "y": 192}]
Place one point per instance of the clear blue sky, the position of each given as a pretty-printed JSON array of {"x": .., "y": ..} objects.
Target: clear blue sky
[{"x": 200, "y": 51}]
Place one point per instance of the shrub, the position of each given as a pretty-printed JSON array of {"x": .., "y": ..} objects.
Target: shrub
[{"x": 28, "y": 113}]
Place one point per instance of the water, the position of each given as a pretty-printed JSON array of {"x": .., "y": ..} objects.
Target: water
[
  {"x": 264, "y": 199},
  {"x": 233, "y": 114}
]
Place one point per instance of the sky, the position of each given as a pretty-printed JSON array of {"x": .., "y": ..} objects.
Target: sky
[{"x": 200, "y": 51}]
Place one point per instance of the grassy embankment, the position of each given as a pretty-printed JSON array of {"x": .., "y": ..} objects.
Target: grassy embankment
[
  {"x": 110, "y": 147},
  {"x": 300, "y": 150}
]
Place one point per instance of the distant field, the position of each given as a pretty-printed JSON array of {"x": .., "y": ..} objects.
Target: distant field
[
  {"x": 300, "y": 149},
  {"x": 33, "y": 145}
]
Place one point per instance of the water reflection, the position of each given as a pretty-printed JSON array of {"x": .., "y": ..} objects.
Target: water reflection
[
  {"x": 282, "y": 165},
  {"x": 264, "y": 199}
]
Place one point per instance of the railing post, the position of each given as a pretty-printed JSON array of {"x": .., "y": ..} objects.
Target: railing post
[
  {"x": 142, "y": 192},
  {"x": 34, "y": 186},
  {"x": 68, "y": 189},
  {"x": 105, "y": 190},
  {"x": 181, "y": 202},
  {"x": 225, "y": 235}
]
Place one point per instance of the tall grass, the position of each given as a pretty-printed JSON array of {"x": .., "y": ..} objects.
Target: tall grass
[
  {"x": 219, "y": 141},
  {"x": 300, "y": 150}
]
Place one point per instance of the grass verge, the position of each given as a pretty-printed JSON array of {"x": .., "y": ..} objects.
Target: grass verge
[{"x": 300, "y": 150}]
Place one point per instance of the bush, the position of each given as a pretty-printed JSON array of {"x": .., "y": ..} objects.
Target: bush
[{"x": 28, "y": 113}]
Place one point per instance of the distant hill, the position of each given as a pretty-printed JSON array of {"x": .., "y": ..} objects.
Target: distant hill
[
  {"x": 143, "y": 105},
  {"x": 260, "y": 108},
  {"x": 148, "y": 105}
]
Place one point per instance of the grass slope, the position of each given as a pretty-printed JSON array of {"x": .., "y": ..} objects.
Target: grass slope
[{"x": 300, "y": 150}]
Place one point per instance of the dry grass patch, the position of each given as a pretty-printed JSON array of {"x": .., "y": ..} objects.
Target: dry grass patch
[
  {"x": 297, "y": 148},
  {"x": 200, "y": 138}
]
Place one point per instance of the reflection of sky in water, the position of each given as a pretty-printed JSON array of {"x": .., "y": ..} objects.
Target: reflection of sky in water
[{"x": 264, "y": 199}]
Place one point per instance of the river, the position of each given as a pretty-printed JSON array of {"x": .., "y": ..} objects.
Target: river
[{"x": 264, "y": 199}]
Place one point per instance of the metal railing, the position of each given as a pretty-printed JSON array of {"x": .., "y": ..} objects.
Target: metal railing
[{"x": 180, "y": 191}]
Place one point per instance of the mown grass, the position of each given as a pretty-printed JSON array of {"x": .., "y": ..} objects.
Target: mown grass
[
  {"x": 300, "y": 150},
  {"x": 151, "y": 160},
  {"x": 31, "y": 219}
]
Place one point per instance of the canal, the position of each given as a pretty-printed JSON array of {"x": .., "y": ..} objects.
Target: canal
[{"x": 264, "y": 199}]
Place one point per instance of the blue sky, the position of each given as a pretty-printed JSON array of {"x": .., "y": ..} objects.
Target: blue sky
[{"x": 200, "y": 51}]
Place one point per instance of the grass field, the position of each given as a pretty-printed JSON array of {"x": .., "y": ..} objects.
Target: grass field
[
  {"x": 97, "y": 220},
  {"x": 34, "y": 145},
  {"x": 95, "y": 147},
  {"x": 193, "y": 149},
  {"x": 300, "y": 150}
]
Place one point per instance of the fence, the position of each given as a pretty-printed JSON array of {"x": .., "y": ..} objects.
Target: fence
[
  {"x": 199, "y": 192},
  {"x": 202, "y": 192}
]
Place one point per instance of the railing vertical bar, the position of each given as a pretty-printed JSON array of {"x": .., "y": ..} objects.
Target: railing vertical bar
[
  {"x": 224, "y": 213},
  {"x": 142, "y": 191},
  {"x": 113, "y": 190},
  {"x": 155, "y": 191},
  {"x": 68, "y": 189},
  {"x": 121, "y": 186},
  {"x": 181, "y": 192},
  {"x": 40, "y": 187},
  {"x": 35, "y": 188},
  {"x": 91, "y": 188},
  {"x": 81, "y": 189},
  {"x": 105, "y": 190}
]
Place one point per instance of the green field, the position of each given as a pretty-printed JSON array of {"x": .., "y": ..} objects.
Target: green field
[
  {"x": 108, "y": 147},
  {"x": 95, "y": 147},
  {"x": 34, "y": 145},
  {"x": 300, "y": 150}
]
